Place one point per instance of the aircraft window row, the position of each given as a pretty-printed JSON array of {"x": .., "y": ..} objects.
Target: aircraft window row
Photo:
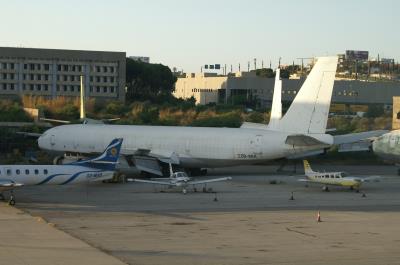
[
  {"x": 27, "y": 172},
  {"x": 328, "y": 176}
]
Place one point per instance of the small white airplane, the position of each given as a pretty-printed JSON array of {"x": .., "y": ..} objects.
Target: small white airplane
[
  {"x": 334, "y": 178},
  {"x": 94, "y": 169},
  {"x": 180, "y": 179}
]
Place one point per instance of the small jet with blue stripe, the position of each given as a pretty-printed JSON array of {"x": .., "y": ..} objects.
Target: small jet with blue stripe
[{"x": 99, "y": 168}]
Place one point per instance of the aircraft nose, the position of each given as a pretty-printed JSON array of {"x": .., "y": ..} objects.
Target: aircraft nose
[{"x": 43, "y": 142}]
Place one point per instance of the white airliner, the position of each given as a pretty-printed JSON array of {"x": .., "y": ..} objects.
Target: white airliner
[
  {"x": 94, "y": 169},
  {"x": 334, "y": 178},
  {"x": 181, "y": 179},
  {"x": 150, "y": 148}
]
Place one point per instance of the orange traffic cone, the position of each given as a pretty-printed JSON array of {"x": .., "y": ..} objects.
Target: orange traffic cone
[{"x": 319, "y": 217}]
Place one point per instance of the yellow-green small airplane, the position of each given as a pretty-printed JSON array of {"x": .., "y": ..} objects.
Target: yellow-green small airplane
[{"x": 334, "y": 178}]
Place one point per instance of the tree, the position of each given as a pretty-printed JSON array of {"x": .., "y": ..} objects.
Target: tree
[
  {"x": 375, "y": 110},
  {"x": 147, "y": 81},
  {"x": 265, "y": 72}
]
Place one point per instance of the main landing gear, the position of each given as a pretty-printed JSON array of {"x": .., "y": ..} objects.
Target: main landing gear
[
  {"x": 11, "y": 201},
  {"x": 325, "y": 188}
]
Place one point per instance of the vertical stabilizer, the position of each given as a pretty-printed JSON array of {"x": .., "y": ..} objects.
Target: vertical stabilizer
[
  {"x": 307, "y": 167},
  {"x": 83, "y": 112},
  {"x": 171, "y": 171},
  {"x": 309, "y": 111},
  {"x": 106, "y": 160},
  {"x": 276, "y": 110}
]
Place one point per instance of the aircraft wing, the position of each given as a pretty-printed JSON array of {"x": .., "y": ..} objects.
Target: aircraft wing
[
  {"x": 304, "y": 180},
  {"x": 368, "y": 178},
  {"x": 303, "y": 140},
  {"x": 153, "y": 182},
  {"x": 6, "y": 183},
  {"x": 195, "y": 182},
  {"x": 356, "y": 137}
]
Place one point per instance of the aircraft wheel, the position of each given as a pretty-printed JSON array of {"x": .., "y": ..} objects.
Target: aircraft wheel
[
  {"x": 184, "y": 191},
  {"x": 2, "y": 197},
  {"x": 194, "y": 189},
  {"x": 204, "y": 189},
  {"x": 351, "y": 188},
  {"x": 325, "y": 188}
]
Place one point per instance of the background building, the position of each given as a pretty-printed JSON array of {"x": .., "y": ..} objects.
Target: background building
[
  {"x": 53, "y": 72},
  {"x": 210, "y": 88}
]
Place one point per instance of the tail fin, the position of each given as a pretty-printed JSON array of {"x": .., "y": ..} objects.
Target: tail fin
[
  {"x": 309, "y": 110},
  {"x": 171, "y": 171},
  {"x": 108, "y": 159},
  {"x": 307, "y": 167},
  {"x": 276, "y": 110}
]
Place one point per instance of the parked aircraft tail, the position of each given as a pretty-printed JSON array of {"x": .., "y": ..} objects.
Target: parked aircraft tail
[
  {"x": 308, "y": 113},
  {"x": 307, "y": 167},
  {"x": 108, "y": 159},
  {"x": 276, "y": 110}
]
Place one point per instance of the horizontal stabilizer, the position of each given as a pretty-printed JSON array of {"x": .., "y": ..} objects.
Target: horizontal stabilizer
[
  {"x": 303, "y": 140},
  {"x": 356, "y": 137}
]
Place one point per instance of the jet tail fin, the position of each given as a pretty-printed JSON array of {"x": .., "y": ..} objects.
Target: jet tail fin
[
  {"x": 276, "y": 110},
  {"x": 108, "y": 159},
  {"x": 307, "y": 167},
  {"x": 309, "y": 110}
]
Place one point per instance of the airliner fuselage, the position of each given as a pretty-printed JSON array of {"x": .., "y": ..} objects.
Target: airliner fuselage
[{"x": 196, "y": 147}]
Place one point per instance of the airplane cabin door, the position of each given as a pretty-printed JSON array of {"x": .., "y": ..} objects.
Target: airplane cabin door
[
  {"x": 256, "y": 144},
  {"x": 52, "y": 139}
]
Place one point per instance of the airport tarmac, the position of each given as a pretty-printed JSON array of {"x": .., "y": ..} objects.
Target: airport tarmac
[{"x": 252, "y": 220}]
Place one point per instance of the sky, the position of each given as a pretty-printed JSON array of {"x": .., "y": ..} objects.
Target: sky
[{"x": 187, "y": 34}]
